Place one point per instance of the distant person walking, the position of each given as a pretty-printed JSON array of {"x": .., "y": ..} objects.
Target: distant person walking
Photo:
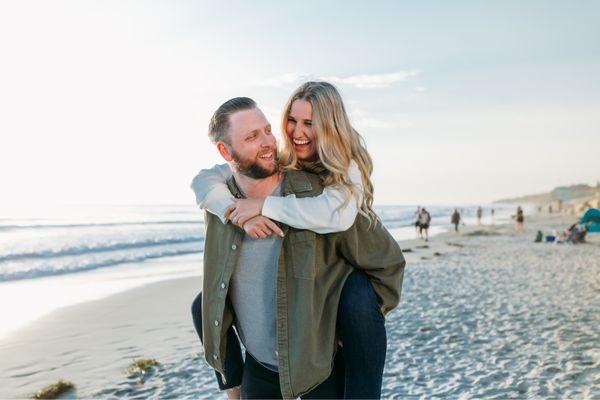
[
  {"x": 520, "y": 220},
  {"x": 424, "y": 222},
  {"x": 417, "y": 224},
  {"x": 455, "y": 219},
  {"x": 493, "y": 213},
  {"x": 479, "y": 214}
]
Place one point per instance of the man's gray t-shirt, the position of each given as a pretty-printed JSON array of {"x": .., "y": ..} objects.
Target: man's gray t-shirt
[{"x": 252, "y": 290}]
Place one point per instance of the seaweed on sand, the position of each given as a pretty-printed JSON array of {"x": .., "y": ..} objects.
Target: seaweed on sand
[
  {"x": 142, "y": 366},
  {"x": 482, "y": 233},
  {"x": 55, "y": 390},
  {"x": 407, "y": 250}
]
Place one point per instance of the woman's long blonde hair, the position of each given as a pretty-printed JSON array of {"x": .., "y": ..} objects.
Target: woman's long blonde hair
[{"x": 338, "y": 143}]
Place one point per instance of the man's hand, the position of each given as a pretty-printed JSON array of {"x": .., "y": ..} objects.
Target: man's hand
[
  {"x": 243, "y": 209},
  {"x": 261, "y": 227},
  {"x": 233, "y": 393}
]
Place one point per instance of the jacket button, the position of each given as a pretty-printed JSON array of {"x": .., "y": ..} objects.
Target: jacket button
[
  {"x": 233, "y": 247},
  {"x": 216, "y": 323},
  {"x": 223, "y": 285}
]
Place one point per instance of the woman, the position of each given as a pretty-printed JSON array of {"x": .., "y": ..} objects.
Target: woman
[
  {"x": 455, "y": 219},
  {"x": 319, "y": 138},
  {"x": 520, "y": 220}
]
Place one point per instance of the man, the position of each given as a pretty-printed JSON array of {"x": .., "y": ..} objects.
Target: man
[
  {"x": 424, "y": 221},
  {"x": 280, "y": 293},
  {"x": 455, "y": 219}
]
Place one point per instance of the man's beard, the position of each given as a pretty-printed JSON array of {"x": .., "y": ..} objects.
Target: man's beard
[{"x": 252, "y": 169}]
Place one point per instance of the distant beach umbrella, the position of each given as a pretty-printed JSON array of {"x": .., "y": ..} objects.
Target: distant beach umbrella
[{"x": 591, "y": 219}]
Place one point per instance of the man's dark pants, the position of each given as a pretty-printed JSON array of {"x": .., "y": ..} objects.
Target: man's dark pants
[{"x": 257, "y": 381}]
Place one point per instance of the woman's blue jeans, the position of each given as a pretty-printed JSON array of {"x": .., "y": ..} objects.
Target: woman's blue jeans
[{"x": 362, "y": 331}]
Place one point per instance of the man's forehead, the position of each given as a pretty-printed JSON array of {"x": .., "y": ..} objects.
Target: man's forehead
[{"x": 248, "y": 120}]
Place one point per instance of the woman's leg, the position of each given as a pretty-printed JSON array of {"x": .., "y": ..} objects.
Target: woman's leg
[
  {"x": 234, "y": 364},
  {"x": 362, "y": 330}
]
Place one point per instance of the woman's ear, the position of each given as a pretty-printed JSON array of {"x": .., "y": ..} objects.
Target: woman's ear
[{"x": 225, "y": 151}]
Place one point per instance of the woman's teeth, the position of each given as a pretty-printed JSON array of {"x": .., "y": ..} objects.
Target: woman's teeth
[{"x": 296, "y": 141}]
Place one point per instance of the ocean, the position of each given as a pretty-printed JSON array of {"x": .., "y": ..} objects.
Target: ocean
[{"x": 67, "y": 240}]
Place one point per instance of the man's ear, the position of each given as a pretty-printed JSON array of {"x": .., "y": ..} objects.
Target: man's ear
[{"x": 225, "y": 151}]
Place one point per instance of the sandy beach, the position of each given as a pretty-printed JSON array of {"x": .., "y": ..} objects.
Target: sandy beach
[{"x": 485, "y": 313}]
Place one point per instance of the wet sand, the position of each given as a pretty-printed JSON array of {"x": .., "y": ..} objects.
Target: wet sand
[{"x": 484, "y": 313}]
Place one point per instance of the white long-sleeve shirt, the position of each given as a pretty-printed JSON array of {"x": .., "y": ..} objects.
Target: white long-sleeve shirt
[{"x": 321, "y": 214}]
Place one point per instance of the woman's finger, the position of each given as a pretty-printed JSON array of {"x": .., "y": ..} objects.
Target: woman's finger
[
  {"x": 273, "y": 227},
  {"x": 265, "y": 229},
  {"x": 260, "y": 233},
  {"x": 236, "y": 218},
  {"x": 229, "y": 210}
]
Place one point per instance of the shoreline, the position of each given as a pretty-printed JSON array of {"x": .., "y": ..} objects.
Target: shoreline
[
  {"x": 93, "y": 342},
  {"x": 65, "y": 290},
  {"x": 68, "y": 289}
]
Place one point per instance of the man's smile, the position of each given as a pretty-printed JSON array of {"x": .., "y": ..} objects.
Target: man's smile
[{"x": 267, "y": 156}]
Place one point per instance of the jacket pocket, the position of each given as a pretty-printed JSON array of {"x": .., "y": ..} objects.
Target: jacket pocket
[{"x": 303, "y": 248}]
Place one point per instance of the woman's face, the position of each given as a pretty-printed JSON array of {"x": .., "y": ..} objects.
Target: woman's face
[{"x": 300, "y": 131}]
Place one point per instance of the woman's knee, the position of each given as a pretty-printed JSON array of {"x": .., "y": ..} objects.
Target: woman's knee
[{"x": 359, "y": 301}]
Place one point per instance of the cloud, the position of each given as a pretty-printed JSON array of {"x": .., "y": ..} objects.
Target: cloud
[
  {"x": 284, "y": 80},
  {"x": 373, "y": 81},
  {"x": 363, "y": 120},
  {"x": 363, "y": 81}
]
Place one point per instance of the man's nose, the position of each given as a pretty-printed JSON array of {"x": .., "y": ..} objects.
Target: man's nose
[{"x": 267, "y": 140}]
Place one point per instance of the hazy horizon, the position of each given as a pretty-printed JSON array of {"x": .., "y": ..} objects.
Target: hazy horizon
[{"x": 459, "y": 103}]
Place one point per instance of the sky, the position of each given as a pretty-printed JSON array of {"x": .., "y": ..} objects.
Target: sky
[{"x": 463, "y": 102}]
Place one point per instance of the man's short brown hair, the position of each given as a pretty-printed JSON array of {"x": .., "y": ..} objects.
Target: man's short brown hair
[{"x": 219, "y": 123}]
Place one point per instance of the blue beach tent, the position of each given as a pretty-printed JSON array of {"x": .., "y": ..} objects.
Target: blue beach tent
[{"x": 591, "y": 219}]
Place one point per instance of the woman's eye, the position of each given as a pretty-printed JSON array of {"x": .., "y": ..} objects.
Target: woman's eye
[{"x": 308, "y": 123}]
